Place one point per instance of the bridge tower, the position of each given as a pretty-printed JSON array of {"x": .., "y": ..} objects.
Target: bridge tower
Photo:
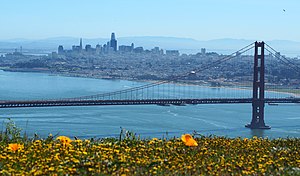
[{"x": 258, "y": 99}]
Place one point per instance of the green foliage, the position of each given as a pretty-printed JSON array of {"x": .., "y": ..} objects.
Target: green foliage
[
  {"x": 126, "y": 135},
  {"x": 10, "y": 132},
  {"x": 132, "y": 156}
]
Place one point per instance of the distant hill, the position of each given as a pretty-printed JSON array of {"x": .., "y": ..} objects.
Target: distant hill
[{"x": 184, "y": 45}]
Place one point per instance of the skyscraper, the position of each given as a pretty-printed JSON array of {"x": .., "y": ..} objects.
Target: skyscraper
[
  {"x": 60, "y": 49},
  {"x": 80, "y": 45},
  {"x": 113, "y": 41}
]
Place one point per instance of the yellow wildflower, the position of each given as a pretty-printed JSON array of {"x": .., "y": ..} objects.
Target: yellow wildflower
[
  {"x": 153, "y": 140},
  {"x": 64, "y": 140}
]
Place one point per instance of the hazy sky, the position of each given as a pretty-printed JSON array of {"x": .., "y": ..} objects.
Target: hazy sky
[{"x": 198, "y": 19}]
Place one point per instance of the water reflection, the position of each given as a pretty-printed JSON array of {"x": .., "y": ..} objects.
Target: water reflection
[{"x": 258, "y": 133}]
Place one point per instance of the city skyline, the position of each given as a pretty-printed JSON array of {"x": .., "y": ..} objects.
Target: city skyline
[
  {"x": 110, "y": 47},
  {"x": 200, "y": 20}
]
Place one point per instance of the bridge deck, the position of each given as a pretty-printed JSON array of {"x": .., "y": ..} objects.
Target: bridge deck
[{"x": 163, "y": 102}]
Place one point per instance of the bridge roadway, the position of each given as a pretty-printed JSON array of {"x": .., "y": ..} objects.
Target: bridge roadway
[{"x": 162, "y": 102}]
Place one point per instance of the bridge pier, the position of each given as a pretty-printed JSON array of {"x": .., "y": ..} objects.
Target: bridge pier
[{"x": 258, "y": 99}]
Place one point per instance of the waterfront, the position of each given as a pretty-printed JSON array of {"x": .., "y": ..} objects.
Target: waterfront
[{"x": 148, "y": 121}]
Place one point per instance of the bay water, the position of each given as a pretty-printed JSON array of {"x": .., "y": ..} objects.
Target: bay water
[{"x": 145, "y": 120}]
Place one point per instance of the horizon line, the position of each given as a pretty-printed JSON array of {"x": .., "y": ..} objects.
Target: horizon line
[{"x": 158, "y": 36}]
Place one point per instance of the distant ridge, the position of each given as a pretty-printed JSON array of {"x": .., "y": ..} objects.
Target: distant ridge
[{"x": 184, "y": 45}]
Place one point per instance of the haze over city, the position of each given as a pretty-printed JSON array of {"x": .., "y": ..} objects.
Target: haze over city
[{"x": 197, "y": 19}]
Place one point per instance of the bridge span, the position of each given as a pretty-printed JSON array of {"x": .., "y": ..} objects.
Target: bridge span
[{"x": 163, "y": 102}]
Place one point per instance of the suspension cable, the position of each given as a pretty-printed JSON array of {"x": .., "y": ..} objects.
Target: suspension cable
[
  {"x": 217, "y": 62},
  {"x": 284, "y": 59}
]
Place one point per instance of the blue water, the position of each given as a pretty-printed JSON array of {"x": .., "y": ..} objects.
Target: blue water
[{"x": 145, "y": 120}]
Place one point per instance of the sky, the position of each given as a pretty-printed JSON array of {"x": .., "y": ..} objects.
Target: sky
[{"x": 197, "y": 19}]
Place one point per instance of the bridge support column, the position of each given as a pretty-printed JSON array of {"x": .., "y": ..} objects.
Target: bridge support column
[{"x": 258, "y": 99}]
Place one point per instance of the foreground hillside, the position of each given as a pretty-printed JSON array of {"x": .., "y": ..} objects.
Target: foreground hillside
[{"x": 129, "y": 155}]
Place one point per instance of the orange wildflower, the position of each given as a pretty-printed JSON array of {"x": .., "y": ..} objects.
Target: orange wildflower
[
  {"x": 64, "y": 140},
  {"x": 188, "y": 140},
  {"x": 15, "y": 146}
]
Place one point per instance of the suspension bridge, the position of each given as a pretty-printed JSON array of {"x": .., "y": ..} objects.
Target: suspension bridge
[{"x": 241, "y": 77}]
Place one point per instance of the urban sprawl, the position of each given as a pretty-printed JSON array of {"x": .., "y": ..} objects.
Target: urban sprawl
[{"x": 111, "y": 61}]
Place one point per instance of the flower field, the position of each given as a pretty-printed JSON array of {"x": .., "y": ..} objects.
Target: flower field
[{"x": 133, "y": 156}]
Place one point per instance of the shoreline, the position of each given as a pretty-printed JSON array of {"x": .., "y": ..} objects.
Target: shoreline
[{"x": 180, "y": 83}]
